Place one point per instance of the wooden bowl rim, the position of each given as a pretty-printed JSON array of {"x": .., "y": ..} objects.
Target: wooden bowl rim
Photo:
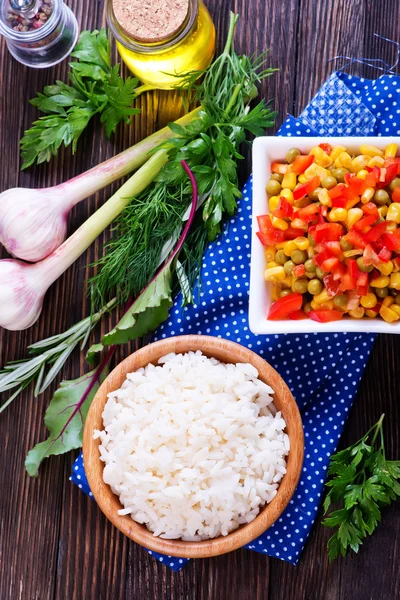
[{"x": 107, "y": 500}]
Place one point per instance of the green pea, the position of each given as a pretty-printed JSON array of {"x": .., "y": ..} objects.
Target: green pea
[
  {"x": 299, "y": 256},
  {"x": 314, "y": 287},
  {"x": 339, "y": 174},
  {"x": 320, "y": 273},
  {"x": 397, "y": 299},
  {"x": 285, "y": 292},
  {"x": 311, "y": 239},
  {"x": 273, "y": 187},
  {"x": 289, "y": 266},
  {"x": 277, "y": 177},
  {"x": 309, "y": 274},
  {"x": 307, "y": 307},
  {"x": 362, "y": 266},
  {"x": 395, "y": 183},
  {"x": 300, "y": 286},
  {"x": 280, "y": 257},
  {"x": 328, "y": 182},
  {"x": 382, "y": 292},
  {"x": 381, "y": 197},
  {"x": 292, "y": 154},
  {"x": 314, "y": 195},
  {"x": 340, "y": 300},
  {"x": 345, "y": 245},
  {"x": 310, "y": 265}
]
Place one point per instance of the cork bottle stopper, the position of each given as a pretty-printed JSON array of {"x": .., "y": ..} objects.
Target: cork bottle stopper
[{"x": 151, "y": 20}]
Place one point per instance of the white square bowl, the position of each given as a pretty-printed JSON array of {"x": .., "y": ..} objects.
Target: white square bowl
[{"x": 266, "y": 150}]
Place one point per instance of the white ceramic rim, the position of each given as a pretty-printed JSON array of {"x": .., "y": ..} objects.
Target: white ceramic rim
[{"x": 265, "y": 150}]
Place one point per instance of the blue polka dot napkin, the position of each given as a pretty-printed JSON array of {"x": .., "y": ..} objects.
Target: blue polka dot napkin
[{"x": 323, "y": 371}]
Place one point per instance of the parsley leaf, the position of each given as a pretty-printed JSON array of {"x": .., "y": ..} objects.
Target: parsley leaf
[
  {"x": 95, "y": 88},
  {"x": 363, "y": 482}
]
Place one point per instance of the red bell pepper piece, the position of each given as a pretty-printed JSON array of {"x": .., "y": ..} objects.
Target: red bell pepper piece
[
  {"x": 339, "y": 271},
  {"x": 355, "y": 238},
  {"x": 327, "y": 232},
  {"x": 299, "y": 270},
  {"x": 337, "y": 191},
  {"x": 370, "y": 180},
  {"x": 306, "y": 188},
  {"x": 325, "y": 316},
  {"x": 371, "y": 210},
  {"x": 391, "y": 240},
  {"x": 298, "y": 315},
  {"x": 301, "y": 163},
  {"x": 364, "y": 222},
  {"x": 396, "y": 194},
  {"x": 264, "y": 223},
  {"x": 282, "y": 308},
  {"x": 362, "y": 284},
  {"x": 393, "y": 161},
  {"x": 280, "y": 168},
  {"x": 354, "y": 271},
  {"x": 391, "y": 172},
  {"x": 326, "y": 148},
  {"x": 329, "y": 264},
  {"x": 357, "y": 185},
  {"x": 321, "y": 257},
  {"x": 349, "y": 194},
  {"x": 333, "y": 248},
  {"x": 340, "y": 202},
  {"x": 271, "y": 238},
  {"x": 385, "y": 255},
  {"x": 292, "y": 232},
  {"x": 284, "y": 210},
  {"x": 347, "y": 283},
  {"x": 331, "y": 284},
  {"x": 370, "y": 257},
  {"x": 307, "y": 213},
  {"x": 375, "y": 232}
]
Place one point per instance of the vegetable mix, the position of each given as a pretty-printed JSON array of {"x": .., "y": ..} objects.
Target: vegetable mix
[{"x": 332, "y": 236}]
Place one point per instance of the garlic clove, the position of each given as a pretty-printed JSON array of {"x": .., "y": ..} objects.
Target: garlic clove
[
  {"x": 21, "y": 294},
  {"x": 33, "y": 223}
]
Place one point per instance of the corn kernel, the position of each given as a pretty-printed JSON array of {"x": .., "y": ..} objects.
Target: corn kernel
[
  {"x": 362, "y": 174},
  {"x": 322, "y": 297},
  {"x": 329, "y": 305},
  {"x": 396, "y": 266},
  {"x": 302, "y": 178},
  {"x": 380, "y": 282},
  {"x": 385, "y": 268},
  {"x": 289, "y": 181},
  {"x": 382, "y": 210},
  {"x": 275, "y": 292},
  {"x": 391, "y": 226},
  {"x": 336, "y": 151},
  {"x": 269, "y": 253},
  {"x": 396, "y": 309},
  {"x": 314, "y": 305},
  {"x": 358, "y": 163},
  {"x": 272, "y": 263},
  {"x": 377, "y": 161},
  {"x": 388, "y": 301},
  {"x": 321, "y": 157},
  {"x": 337, "y": 163},
  {"x": 315, "y": 170},
  {"x": 357, "y": 313},
  {"x": 367, "y": 195},
  {"x": 393, "y": 213},
  {"x": 391, "y": 151},
  {"x": 395, "y": 281},
  {"x": 302, "y": 243},
  {"x": 289, "y": 247},
  {"x": 279, "y": 223},
  {"x": 371, "y": 313},
  {"x": 273, "y": 203},
  {"x": 288, "y": 194},
  {"x": 274, "y": 273},
  {"x": 352, "y": 203},
  {"x": 287, "y": 282},
  {"x": 337, "y": 214},
  {"x": 388, "y": 314},
  {"x": 345, "y": 160},
  {"x": 369, "y": 300},
  {"x": 280, "y": 245},
  {"x": 371, "y": 150},
  {"x": 351, "y": 253},
  {"x": 353, "y": 215},
  {"x": 324, "y": 197}
]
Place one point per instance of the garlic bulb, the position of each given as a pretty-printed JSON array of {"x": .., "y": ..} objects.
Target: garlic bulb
[{"x": 21, "y": 295}]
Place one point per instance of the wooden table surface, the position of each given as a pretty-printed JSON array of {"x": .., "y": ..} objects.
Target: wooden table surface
[{"x": 54, "y": 541}]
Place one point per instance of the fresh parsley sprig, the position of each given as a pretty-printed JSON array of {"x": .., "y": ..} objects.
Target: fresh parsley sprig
[
  {"x": 363, "y": 482},
  {"x": 95, "y": 88}
]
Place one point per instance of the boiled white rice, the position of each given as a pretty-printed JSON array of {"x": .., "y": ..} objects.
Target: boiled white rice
[{"x": 193, "y": 447}]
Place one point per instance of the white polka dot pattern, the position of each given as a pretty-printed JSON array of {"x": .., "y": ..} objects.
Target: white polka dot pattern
[{"x": 323, "y": 371}]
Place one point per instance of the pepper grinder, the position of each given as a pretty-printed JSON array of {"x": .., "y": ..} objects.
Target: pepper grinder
[{"x": 39, "y": 33}]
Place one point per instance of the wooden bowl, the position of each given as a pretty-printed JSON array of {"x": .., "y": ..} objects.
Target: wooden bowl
[{"x": 227, "y": 352}]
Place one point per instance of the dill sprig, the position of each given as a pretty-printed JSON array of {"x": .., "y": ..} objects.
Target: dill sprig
[{"x": 210, "y": 146}]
